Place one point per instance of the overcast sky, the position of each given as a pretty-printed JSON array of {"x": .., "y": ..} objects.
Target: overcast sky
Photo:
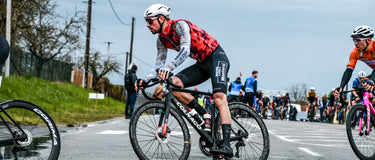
[{"x": 287, "y": 41}]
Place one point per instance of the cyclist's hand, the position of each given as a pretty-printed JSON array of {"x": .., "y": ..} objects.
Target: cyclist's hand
[
  {"x": 368, "y": 84},
  {"x": 337, "y": 92},
  {"x": 140, "y": 82},
  {"x": 164, "y": 73}
]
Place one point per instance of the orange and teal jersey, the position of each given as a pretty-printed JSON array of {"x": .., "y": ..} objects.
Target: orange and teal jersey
[{"x": 366, "y": 57}]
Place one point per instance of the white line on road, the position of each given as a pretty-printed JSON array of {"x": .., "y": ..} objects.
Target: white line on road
[
  {"x": 113, "y": 132},
  {"x": 308, "y": 151}
]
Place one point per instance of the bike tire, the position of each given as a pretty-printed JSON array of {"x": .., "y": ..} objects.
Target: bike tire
[
  {"x": 257, "y": 144},
  {"x": 43, "y": 141},
  {"x": 145, "y": 140},
  {"x": 362, "y": 144}
]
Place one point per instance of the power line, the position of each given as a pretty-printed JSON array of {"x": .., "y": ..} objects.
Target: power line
[{"x": 126, "y": 24}]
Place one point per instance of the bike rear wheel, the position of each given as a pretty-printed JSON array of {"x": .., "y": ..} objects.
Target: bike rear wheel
[
  {"x": 145, "y": 137},
  {"x": 43, "y": 139},
  {"x": 361, "y": 142},
  {"x": 256, "y": 144}
]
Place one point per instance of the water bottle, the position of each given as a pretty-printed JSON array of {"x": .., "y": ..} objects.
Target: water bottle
[
  {"x": 196, "y": 116},
  {"x": 207, "y": 122}
]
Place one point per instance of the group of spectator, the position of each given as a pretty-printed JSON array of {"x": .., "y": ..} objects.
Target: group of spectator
[{"x": 249, "y": 94}]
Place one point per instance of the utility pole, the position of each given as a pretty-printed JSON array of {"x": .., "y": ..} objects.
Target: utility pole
[
  {"x": 8, "y": 28},
  {"x": 109, "y": 44},
  {"x": 87, "y": 51},
  {"x": 131, "y": 41}
]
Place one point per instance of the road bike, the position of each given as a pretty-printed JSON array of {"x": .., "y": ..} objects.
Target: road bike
[
  {"x": 360, "y": 126},
  {"x": 27, "y": 132},
  {"x": 167, "y": 136}
]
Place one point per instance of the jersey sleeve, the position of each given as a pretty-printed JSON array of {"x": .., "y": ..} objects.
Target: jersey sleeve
[
  {"x": 160, "y": 59},
  {"x": 183, "y": 31},
  {"x": 352, "y": 59}
]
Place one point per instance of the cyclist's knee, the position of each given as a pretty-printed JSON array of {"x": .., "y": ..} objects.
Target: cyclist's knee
[
  {"x": 220, "y": 100},
  {"x": 177, "y": 81}
]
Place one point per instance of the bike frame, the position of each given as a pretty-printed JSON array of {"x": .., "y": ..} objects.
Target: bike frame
[
  {"x": 369, "y": 107},
  {"x": 210, "y": 139}
]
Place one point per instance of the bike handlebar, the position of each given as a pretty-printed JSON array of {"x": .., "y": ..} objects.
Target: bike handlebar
[{"x": 156, "y": 81}]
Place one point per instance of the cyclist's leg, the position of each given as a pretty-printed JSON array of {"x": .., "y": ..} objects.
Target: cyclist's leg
[
  {"x": 191, "y": 76},
  {"x": 219, "y": 70}
]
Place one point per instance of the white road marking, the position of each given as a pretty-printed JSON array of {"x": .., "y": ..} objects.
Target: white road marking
[
  {"x": 309, "y": 152},
  {"x": 113, "y": 132}
]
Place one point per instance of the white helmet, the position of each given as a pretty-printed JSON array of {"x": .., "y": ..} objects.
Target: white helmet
[
  {"x": 361, "y": 74},
  {"x": 363, "y": 31},
  {"x": 157, "y": 9},
  {"x": 312, "y": 88}
]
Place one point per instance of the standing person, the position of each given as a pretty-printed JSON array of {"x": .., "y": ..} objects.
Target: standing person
[
  {"x": 295, "y": 112},
  {"x": 363, "y": 51},
  {"x": 130, "y": 81},
  {"x": 250, "y": 86},
  {"x": 234, "y": 90},
  {"x": 189, "y": 40},
  {"x": 4, "y": 51}
]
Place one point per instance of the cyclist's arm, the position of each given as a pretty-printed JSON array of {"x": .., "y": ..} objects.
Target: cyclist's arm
[
  {"x": 346, "y": 77},
  {"x": 183, "y": 31},
  {"x": 349, "y": 68},
  {"x": 160, "y": 60}
]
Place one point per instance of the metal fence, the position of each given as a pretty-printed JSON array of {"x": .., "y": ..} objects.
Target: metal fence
[{"x": 23, "y": 63}]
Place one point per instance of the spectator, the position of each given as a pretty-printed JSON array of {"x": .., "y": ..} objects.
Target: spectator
[
  {"x": 234, "y": 90},
  {"x": 250, "y": 88},
  {"x": 295, "y": 112},
  {"x": 131, "y": 78}
]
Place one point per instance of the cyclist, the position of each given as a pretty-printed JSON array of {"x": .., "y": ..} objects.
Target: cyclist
[
  {"x": 286, "y": 104},
  {"x": 311, "y": 100},
  {"x": 276, "y": 104},
  {"x": 357, "y": 81},
  {"x": 189, "y": 40},
  {"x": 4, "y": 51},
  {"x": 266, "y": 103},
  {"x": 363, "y": 51}
]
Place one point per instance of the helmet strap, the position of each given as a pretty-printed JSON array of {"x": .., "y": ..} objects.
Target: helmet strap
[
  {"x": 161, "y": 24},
  {"x": 367, "y": 44}
]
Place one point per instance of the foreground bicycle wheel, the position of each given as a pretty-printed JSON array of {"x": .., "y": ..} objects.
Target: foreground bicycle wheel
[
  {"x": 43, "y": 139},
  {"x": 362, "y": 142},
  {"x": 256, "y": 145},
  {"x": 146, "y": 139}
]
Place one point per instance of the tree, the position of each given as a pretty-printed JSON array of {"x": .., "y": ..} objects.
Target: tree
[
  {"x": 298, "y": 92},
  {"x": 100, "y": 68},
  {"x": 38, "y": 29}
]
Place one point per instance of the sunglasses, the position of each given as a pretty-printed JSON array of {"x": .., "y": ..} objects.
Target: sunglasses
[
  {"x": 151, "y": 20},
  {"x": 357, "y": 40}
]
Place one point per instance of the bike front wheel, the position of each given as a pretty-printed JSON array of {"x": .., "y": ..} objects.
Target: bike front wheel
[
  {"x": 245, "y": 120},
  {"x": 361, "y": 139},
  {"x": 146, "y": 137},
  {"x": 26, "y": 118}
]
